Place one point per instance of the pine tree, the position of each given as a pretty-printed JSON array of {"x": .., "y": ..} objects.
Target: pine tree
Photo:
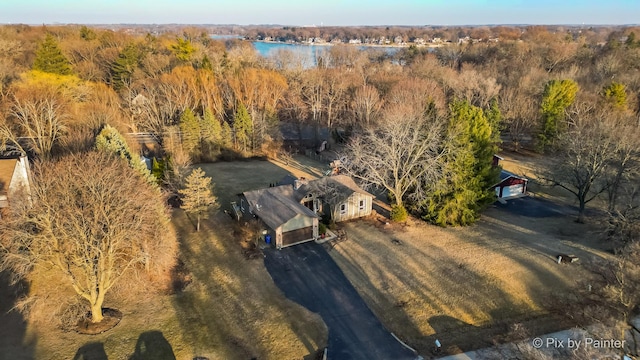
[
  {"x": 183, "y": 49},
  {"x": 242, "y": 127},
  {"x": 464, "y": 190},
  {"x": 124, "y": 66},
  {"x": 111, "y": 141},
  {"x": 190, "y": 129},
  {"x": 211, "y": 129},
  {"x": 50, "y": 59},
  {"x": 226, "y": 136},
  {"x": 197, "y": 196},
  {"x": 616, "y": 95},
  {"x": 558, "y": 95}
]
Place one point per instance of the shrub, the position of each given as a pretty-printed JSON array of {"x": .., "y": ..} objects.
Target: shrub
[
  {"x": 399, "y": 213},
  {"x": 322, "y": 228}
]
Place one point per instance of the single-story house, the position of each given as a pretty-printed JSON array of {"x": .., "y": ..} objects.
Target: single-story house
[
  {"x": 15, "y": 179},
  {"x": 291, "y": 209},
  {"x": 337, "y": 196},
  {"x": 510, "y": 186}
]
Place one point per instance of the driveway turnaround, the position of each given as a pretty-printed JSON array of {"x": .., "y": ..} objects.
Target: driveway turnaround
[{"x": 309, "y": 276}]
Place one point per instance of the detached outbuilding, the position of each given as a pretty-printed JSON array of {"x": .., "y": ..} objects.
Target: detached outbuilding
[{"x": 511, "y": 186}]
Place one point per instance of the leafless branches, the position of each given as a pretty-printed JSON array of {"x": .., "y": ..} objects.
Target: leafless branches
[
  {"x": 93, "y": 219},
  {"x": 401, "y": 156}
]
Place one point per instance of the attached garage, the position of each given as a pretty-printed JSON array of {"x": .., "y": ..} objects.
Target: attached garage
[{"x": 289, "y": 222}]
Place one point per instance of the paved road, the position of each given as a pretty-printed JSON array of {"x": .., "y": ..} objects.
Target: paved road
[{"x": 307, "y": 275}]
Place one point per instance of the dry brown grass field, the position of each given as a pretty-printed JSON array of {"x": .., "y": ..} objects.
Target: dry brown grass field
[
  {"x": 464, "y": 286},
  {"x": 231, "y": 310}
]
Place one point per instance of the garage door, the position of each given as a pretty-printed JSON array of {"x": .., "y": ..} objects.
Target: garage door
[
  {"x": 295, "y": 236},
  {"x": 513, "y": 190}
]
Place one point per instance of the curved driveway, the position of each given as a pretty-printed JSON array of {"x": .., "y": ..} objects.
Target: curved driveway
[{"x": 309, "y": 276}]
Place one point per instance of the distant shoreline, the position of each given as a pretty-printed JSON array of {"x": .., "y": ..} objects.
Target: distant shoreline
[{"x": 430, "y": 45}]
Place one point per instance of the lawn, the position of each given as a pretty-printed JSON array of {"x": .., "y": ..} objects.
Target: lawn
[
  {"x": 464, "y": 286},
  {"x": 231, "y": 310},
  {"x": 469, "y": 286}
]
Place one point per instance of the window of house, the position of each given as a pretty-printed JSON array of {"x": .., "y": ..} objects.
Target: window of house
[
  {"x": 343, "y": 209},
  {"x": 242, "y": 205},
  {"x": 361, "y": 205}
]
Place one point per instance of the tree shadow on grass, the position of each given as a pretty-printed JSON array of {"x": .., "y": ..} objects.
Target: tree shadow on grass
[
  {"x": 14, "y": 343},
  {"x": 152, "y": 345},
  {"x": 228, "y": 310},
  {"x": 445, "y": 327},
  {"x": 91, "y": 351}
]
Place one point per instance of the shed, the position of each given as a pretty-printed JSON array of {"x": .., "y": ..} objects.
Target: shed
[{"x": 511, "y": 186}]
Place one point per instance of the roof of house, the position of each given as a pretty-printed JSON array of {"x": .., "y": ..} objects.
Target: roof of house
[
  {"x": 338, "y": 188},
  {"x": 7, "y": 168},
  {"x": 279, "y": 204},
  {"x": 276, "y": 205}
]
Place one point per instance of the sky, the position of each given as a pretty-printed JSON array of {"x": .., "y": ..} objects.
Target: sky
[{"x": 322, "y": 12}]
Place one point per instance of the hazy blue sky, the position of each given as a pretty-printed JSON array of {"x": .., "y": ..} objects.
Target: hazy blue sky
[{"x": 327, "y": 12}]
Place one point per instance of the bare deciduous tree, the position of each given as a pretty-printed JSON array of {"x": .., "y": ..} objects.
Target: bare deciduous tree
[
  {"x": 401, "y": 156},
  {"x": 519, "y": 113},
  {"x": 41, "y": 118},
  {"x": 92, "y": 220},
  {"x": 584, "y": 161},
  {"x": 365, "y": 105}
]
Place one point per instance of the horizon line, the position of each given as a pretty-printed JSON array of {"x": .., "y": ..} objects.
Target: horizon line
[{"x": 319, "y": 26}]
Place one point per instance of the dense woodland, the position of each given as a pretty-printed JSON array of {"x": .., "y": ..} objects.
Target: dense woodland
[{"x": 422, "y": 124}]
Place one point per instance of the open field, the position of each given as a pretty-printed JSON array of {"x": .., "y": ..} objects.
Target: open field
[
  {"x": 231, "y": 310},
  {"x": 468, "y": 286},
  {"x": 465, "y": 286}
]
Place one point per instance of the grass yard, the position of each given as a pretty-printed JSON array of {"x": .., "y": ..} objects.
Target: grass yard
[
  {"x": 231, "y": 178},
  {"x": 464, "y": 286},
  {"x": 231, "y": 310},
  {"x": 468, "y": 286}
]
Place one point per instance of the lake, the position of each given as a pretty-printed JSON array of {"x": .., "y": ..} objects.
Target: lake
[{"x": 308, "y": 53}]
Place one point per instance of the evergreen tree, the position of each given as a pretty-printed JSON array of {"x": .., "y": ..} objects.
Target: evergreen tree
[
  {"x": 124, "y": 66},
  {"x": 50, "y": 59},
  {"x": 210, "y": 128},
  {"x": 210, "y": 133},
  {"x": 242, "y": 127},
  {"x": 558, "y": 95},
  {"x": 87, "y": 33},
  {"x": 206, "y": 64},
  {"x": 464, "y": 190},
  {"x": 226, "y": 136},
  {"x": 111, "y": 141},
  {"x": 197, "y": 196},
  {"x": 631, "y": 41},
  {"x": 616, "y": 95},
  {"x": 183, "y": 49},
  {"x": 190, "y": 129}
]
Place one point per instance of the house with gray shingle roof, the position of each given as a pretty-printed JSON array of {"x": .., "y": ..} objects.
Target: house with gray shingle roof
[{"x": 291, "y": 210}]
